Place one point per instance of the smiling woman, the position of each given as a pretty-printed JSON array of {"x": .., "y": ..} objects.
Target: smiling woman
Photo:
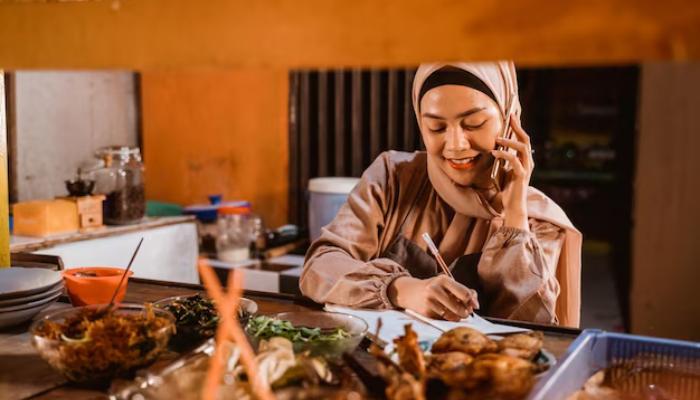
[{"x": 514, "y": 253}]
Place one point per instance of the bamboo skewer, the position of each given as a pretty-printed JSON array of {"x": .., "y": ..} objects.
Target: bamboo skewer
[{"x": 229, "y": 328}]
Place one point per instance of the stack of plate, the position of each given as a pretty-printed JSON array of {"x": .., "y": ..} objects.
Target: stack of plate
[{"x": 24, "y": 292}]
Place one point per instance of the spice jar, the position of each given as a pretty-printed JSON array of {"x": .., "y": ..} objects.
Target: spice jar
[
  {"x": 234, "y": 232},
  {"x": 119, "y": 176}
]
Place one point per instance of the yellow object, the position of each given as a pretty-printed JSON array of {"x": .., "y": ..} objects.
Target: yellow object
[
  {"x": 45, "y": 217},
  {"x": 4, "y": 200}
]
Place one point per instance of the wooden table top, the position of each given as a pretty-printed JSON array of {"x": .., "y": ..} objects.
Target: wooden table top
[{"x": 24, "y": 375}]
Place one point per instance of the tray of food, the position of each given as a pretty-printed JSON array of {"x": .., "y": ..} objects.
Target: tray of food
[
  {"x": 603, "y": 365},
  {"x": 184, "y": 378},
  {"x": 461, "y": 363}
]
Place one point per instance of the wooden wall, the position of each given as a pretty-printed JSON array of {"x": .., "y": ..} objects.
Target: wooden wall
[
  {"x": 146, "y": 34},
  {"x": 217, "y": 132},
  {"x": 666, "y": 242}
]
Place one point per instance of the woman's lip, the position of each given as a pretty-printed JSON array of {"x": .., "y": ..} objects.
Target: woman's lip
[{"x": 463, "y": 166}]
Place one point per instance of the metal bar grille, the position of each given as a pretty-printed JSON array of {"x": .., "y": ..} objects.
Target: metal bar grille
[{"x": 341, "y": 120}]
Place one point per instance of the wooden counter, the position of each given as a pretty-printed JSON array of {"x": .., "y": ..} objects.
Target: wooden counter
[{"x": 24, "y": 375}]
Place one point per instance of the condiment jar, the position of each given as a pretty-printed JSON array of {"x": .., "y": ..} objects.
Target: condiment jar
[
  {"x": 118, "y": 175},
  {"x": 234, "y": 233}
]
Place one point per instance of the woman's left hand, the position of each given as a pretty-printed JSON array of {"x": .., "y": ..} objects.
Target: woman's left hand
[{"x": 517, "y": 176}]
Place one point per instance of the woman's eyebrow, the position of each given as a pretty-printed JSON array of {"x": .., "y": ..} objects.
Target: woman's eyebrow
[{"x": 460, "y": 115}]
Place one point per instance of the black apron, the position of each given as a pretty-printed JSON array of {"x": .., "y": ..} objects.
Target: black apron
[{"x": 422, "y": 265}]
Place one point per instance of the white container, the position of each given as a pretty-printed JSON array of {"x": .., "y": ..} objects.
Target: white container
[{"x": 326, "y": 196}]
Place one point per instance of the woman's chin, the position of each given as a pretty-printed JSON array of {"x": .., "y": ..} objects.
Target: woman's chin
[{"x": 461, "y": 177}]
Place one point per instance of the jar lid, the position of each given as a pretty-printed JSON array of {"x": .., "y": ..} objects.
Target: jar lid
[
  {"x": 333, "y": 185},
  {"x": 117, "y": 151},
  {"x": 234, "y": 210}
]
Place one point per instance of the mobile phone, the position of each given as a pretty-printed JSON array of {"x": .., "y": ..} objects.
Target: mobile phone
[{"x": 499, "y": 165}]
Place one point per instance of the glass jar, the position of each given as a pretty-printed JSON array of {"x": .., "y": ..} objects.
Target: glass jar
[
  {"x": 234, "y": 232},
  {"x": 118, "y": 175}
]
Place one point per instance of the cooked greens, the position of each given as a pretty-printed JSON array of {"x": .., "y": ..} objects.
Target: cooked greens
[{"x": 265, "y": 328}]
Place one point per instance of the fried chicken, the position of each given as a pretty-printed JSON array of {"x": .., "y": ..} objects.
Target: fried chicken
[
  {"x": 522, "y": 345},
  {"x": 411, "y": 356},
  {"x": 499, "y": 375},
  {"x": 466, "y": 340}
]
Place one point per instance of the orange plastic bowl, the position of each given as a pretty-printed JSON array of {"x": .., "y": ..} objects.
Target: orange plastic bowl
[{"x": 89, "y": 290}]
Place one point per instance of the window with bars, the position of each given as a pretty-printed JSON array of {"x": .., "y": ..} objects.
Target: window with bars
[{"x": 341, "y": 120}]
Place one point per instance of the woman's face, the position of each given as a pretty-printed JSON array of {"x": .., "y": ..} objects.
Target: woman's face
[{"x": 459, "y": 127}]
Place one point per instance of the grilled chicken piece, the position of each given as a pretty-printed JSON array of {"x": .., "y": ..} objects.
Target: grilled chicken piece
[
  {"x": 451, "y": 367},
  {"x": 522, "y": 345},
  {"x": 448, "y": 362},
  {"x": 466, "y": 340},
  {"x": 405, "y": 386},
  {"x": 411, "y": 356},
  {"x": 499, "y": 375}
]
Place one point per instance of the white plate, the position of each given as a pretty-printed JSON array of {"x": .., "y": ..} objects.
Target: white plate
[
  {"x": 18, "y": 282},
  {"x": 58, "y": 288},
  {"x": 32, "y": 304},
  {"x": 13, "y": 318}
]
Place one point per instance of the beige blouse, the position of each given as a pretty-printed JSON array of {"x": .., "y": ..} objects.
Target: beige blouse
[{"x": 345, "y": 265}]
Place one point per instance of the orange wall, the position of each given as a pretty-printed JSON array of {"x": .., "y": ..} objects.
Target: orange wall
[{"x": 217, "y": 132}]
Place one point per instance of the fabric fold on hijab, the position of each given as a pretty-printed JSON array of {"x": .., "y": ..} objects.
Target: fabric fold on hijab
[{"x": 470, "y": 204}]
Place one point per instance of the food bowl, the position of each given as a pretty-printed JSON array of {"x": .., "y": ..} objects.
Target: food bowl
[
  {"x": 356, "y": 329},
  {"x": 90, "y": 290},
  {"x": 121, "y": 341},
  {"x": 198, "y": 323}
]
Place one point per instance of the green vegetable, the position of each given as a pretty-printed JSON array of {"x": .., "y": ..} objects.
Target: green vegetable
[{"x": 265, "y": 327}]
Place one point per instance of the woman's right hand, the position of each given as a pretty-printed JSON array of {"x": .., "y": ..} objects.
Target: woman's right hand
[{"x": 437, "y": 297}]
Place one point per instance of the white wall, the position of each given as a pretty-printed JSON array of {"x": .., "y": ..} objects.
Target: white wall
[{"x": 62, "y": 117}]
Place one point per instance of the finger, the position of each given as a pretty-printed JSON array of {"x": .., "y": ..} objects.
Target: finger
[
  {"x": 514, "y": 161},
  {"x": 439, "y": 311},
  {"x": 448, "y": 301},
  {"x": 524, "y": 151},
  {"x": 518, "y": 130},
  {"x": 467, "y": 296}
]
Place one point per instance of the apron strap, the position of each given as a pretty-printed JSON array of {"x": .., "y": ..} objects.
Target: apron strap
[{"x": 411, "y": 211}]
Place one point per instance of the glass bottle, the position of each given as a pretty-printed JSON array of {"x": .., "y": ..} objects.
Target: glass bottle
[
  {"x": 234, "y": 232},
  {"x": 119, "y": 175}
]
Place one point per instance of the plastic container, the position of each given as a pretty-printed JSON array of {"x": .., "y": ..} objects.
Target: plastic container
[
  {"x": 234, "y": 234},
  {"x": 326, "y": 196},
  {"x": 595, "y": 350},
  {"x": 89, "y": 290},
  {"x": 206, "y": 215}
]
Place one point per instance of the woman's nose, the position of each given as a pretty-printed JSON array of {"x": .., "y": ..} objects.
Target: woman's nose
[{"x": 457, "y": 139}]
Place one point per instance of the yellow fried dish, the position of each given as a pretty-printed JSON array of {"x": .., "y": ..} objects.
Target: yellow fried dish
[{"x": 93, "y": 343}]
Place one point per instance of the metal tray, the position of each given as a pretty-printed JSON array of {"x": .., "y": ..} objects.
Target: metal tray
[
  {"x": 594, "y": 350},
  {"x": 148, "y": 383}
]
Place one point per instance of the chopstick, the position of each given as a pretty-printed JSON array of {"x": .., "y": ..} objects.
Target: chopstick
[{"x": 433, "y": 249}]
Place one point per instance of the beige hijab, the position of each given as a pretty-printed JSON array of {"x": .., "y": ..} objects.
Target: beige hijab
[{"x": 468, "y": 203}]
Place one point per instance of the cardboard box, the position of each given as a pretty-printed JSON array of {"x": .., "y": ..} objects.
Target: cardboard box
[{"x": 42, "y": 218}]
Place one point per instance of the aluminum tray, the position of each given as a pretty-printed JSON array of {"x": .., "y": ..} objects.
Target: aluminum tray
[
  {"x": 149, "y": 381},
  {"x": 594, "y": 350}
]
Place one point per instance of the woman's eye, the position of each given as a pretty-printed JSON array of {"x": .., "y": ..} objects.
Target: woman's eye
[
  {"x": 472, "y": 127},
  {"x": 438, "y": 129}
]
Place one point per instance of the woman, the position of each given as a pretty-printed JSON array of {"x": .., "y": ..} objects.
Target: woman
[{"x": 514, "y": 254}]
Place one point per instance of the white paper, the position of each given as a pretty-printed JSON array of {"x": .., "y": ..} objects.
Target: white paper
[
  {"x": 474, "y": 321},
  {"x": 393, "y": 323}
]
